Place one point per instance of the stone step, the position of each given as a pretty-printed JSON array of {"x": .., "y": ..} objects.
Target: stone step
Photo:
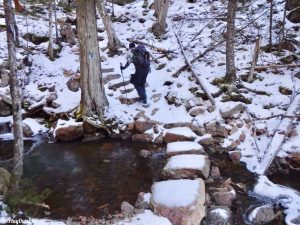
[
  {"x": 109, "y": 77},
  {"x": 179, "y": 134},
  {"x": 184, "y": 147},
  {"x": 107, "y": 70},
  {"x": 187, "y": 166},
  {"x": 117, "y": 84},
  {"x": 181, "y": 201},
  {"x": 127, "y": 89}
]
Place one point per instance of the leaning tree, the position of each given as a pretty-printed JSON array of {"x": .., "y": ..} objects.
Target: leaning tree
[{"x": 114, "y": 43}]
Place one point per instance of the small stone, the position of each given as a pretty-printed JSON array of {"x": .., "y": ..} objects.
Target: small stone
[
  {"x": 226, "y": 197},
  {"x": 235, "y": 156},
  {"x": 211, "y": 127},
  {"x": 73, "y": 84},
  {"x": 220, "y": 131},
  {"x": 145, "y": 153},
  {"x": 218, "y": 215},
  {"x": 126, "y": 208},
  {"x": 215, "y": 172},
  {"x": 242, "y": 137},
  {"x": 197, "y": 111},
  {"x": 206, "y": 141},
  {"x": 143, "y": 201},
  {"x": 233, "y": 130},
  {"x": 142, "y": 126},
  {"x": 4, "y": 78},
  {"x": 230, "y": 111}
]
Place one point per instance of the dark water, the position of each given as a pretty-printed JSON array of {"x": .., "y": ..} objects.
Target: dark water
[{"x": 91, "y": 179}]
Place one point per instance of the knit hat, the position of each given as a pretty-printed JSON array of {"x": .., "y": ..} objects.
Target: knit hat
[{"x": 131, "y": 45}]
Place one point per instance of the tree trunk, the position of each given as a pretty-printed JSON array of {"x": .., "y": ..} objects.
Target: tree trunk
[
  {"x": 161, "y": 11},
  {"x": 93, "y": 99},
  {"x": 230, "y": 65},
  {"x": 254, "y": 60},
  {"x": 50, "y": 46},
  {"x": 145, "y": 4},
  {"x": 271, "y": 25},
  {"x": 16, "y": 98},
  {"x": 55, "y": 21},
  {"x": 113, "y": 42}
]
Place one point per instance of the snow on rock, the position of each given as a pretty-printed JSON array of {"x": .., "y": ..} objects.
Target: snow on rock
[
  {"x": 230, "y": 110},
  {"x": 187, "y": 166},
  {"x": 184, "y": 147},
  {"x": 179, "y": 134},
  {"x": 287, "y": 197},
  {"x": 35, "y": 126},
  {"x": 181, "y": 201},
  {"x": 146, "y": 218},
  {"x": 67, "y": 130},
  {"x": 218, "y": 215},
  {"x": 262, "y": 215}
]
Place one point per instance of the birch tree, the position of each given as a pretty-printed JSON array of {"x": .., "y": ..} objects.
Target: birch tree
[
  {"x": 230, "y": 64},
  {"x": 16, "y": 97},
  {"x": 113, "y": 41},
  {"x": 93, "y": 99},
  {"x": 161, "y": 11}
]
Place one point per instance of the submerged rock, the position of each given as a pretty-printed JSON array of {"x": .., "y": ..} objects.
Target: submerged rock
[{"x": 127, "y": 208}]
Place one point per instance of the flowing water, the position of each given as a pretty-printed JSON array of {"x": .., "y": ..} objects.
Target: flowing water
[{"x": 92, "y": 179}]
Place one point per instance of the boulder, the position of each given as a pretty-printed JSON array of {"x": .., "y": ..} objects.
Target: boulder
[
  {"x": 73, "y": 84},
  {"x": 211, "y": 127},
  {"x": 68, "y": 130},
  {"x": 172, "y": 98},
  {"x": 142, "y": 126},
  {"x": 235, "y": 156},
  {"x": 198, "y": 129},
  {"x": 142, "y": 137},
  {"x": 189, "y": 210},
  {"x": 184, "y": 147},
  {"x": 215, "y": 172},
  {"x": 179, "y": 134},
  {"x": 262, "y": 215},
  {"x": 4, "y": 180},
  {"x": 229, "y": 111},
  {"x": 218, "y": 216},
  {"x": 206, "y": 140},
  {"x": 187, "y": 166},
  {"x": 5, "y": 127},
  {"x": 127, "y": 89},
  {"x": 155, "y": 98},
  {"x": 220, "y": 131},
  {"x": 189, "y": 104},
  {"x": 294, "y": 16},
  {"x": 4, "y": 78}
]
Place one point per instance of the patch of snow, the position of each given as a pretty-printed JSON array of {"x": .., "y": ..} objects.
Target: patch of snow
[
  {"x": 35, "y": 125},
  {"x": 182, "y": 131},
  {"x": 183, "y": 192},
  {"x": 221, "y": 212},
  {"x": 183, "y": 146},
  {"x": 190, "y": 161},
  {"x": 146, "y": 218},
  {"x": 287, "y": 197}
]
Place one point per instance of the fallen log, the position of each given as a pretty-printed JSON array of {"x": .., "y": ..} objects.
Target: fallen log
[
  {"x": 274, "y": 66},
  {"x": 198, "y": 79},
  {"x": 162, "y": 50},
  {"x": 283, "y": 130}
]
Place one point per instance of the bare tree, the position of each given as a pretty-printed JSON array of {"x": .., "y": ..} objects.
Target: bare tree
[
  {"x": 230, "y": 64},
  {"x": 50, "y": 46},
  {"x": 114, "y": 43},
  {"x": 271, "y": 25},
  {"x": 161, "y": 11},
  {"x": 93, "y": 99},
  {"x": 16, "y": 97}
]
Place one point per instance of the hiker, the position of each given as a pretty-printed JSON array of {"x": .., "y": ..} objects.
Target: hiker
[{"x": 139, "y": 56}]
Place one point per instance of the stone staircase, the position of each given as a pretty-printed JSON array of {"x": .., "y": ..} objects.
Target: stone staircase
[{"x": 181, "y": 198}]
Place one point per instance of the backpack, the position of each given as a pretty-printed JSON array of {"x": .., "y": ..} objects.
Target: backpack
[{"x": 141, "y": 56}]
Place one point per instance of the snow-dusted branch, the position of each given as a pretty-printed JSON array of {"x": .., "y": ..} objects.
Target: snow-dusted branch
[
  {"x": 199, "y": 81},
  {"x": 283, "y": 130}
]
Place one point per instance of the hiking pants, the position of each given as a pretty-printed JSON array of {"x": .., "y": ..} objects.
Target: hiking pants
[
  {"x": 141, "y": 90},
  {"x": 138, "y": 79}
]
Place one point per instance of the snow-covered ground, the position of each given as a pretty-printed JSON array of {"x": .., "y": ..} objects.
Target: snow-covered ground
[{"x": 186, "y": 20}]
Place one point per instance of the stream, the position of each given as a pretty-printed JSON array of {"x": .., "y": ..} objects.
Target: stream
[{"x": 93, "y": 179}]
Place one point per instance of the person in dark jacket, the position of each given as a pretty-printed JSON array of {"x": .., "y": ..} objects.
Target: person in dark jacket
[{"x": 138, "y": 79}]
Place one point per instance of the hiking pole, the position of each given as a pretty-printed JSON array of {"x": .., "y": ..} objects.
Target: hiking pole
[{"x": 124, "y": 83}]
